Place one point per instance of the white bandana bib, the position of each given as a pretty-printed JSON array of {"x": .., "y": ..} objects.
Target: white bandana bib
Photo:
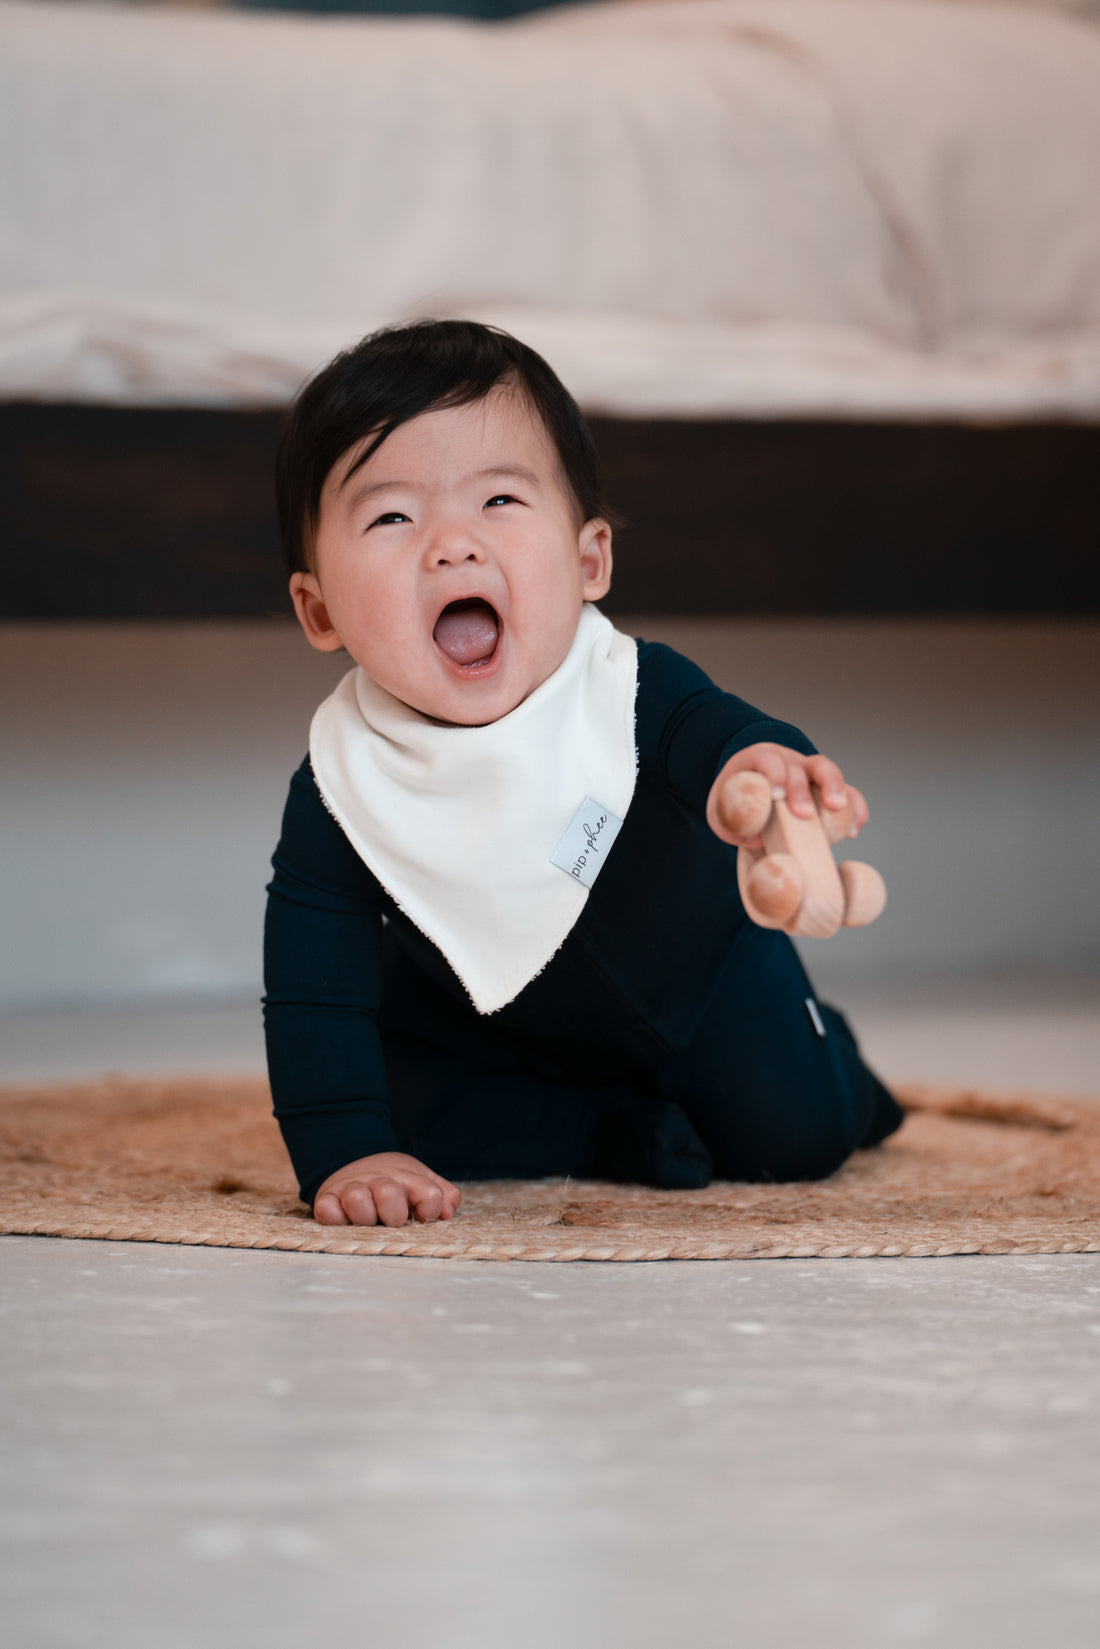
[{"x": 488, "y": 838}]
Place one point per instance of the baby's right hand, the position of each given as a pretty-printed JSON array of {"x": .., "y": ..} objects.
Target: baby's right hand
[{"x": 383, "y": 1190}]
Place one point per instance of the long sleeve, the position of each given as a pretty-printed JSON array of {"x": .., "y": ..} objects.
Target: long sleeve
[
  {"x": 322, "y": 974},
  {"x": 691, "y": 728}
]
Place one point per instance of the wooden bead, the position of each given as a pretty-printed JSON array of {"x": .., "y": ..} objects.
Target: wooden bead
[
  {"x": 776, "y": 886},
  {"x": 865, "y": 893},
  {"x": 745, "y": 803}
]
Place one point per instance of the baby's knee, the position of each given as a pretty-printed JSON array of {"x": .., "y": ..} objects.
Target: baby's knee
[
  {"x": 777, "y": 1143},
  {"x": 812, "y": 1156}
]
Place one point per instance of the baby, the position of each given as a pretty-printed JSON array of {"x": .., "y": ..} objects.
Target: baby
[{"x": 501, "y": 939}]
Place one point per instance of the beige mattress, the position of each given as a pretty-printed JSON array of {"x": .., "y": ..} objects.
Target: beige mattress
[{"x": 885, "y": 208}]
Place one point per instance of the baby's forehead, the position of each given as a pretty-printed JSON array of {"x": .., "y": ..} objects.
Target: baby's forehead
[{"x": 500, "y": 433}]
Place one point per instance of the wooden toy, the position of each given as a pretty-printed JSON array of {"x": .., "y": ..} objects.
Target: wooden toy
[{"x": 793, "y": 882}]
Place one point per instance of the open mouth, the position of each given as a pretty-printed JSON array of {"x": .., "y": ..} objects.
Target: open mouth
[{"x": 467, "y": 632}]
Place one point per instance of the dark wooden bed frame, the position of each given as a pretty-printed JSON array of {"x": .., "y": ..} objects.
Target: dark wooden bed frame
[{"x": 112, "y": 513}]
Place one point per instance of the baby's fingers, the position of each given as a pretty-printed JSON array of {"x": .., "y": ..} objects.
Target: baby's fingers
[
  {"x": 796, "y": 782},
  {"x": 769, "y": 759},
  {"x": 426, "y": 1203},
  {"x": 860, "y": 811},
  {"x": 828, "y": 779},
  {"x": 437, "y": 1201},
  {"x": 357, "y": 1202},
  {"x": 391, "y": 1202},
  {"x": 327, "y": 1210}
]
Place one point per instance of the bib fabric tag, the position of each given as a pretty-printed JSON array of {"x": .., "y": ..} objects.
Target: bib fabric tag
[{"x": 585, "y": 845}]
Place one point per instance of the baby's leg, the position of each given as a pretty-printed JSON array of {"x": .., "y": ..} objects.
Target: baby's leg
[
  {"x": 488, "y": 1121},
  {"x": 465, "y": 1101},
  {"x": 772, "y": 1097}
]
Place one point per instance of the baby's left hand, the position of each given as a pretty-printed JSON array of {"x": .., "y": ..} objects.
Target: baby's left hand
[{"x": 792, "y": 774}]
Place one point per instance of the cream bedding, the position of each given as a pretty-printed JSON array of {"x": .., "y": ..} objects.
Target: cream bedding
[{"x": 693, "y": 207}]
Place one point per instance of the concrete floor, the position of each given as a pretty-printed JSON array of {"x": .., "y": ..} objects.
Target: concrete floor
[
  {"x": 221, "y": 1450},
  {"x": 262, "y": 1450}
]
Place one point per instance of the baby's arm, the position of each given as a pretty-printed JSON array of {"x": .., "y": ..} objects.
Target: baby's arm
[
  {"x": 322, "y": 965},
  {"x": 694, "y": 735}
]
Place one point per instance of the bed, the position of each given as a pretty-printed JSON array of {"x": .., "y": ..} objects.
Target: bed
[{"x": 826, "y": 274}]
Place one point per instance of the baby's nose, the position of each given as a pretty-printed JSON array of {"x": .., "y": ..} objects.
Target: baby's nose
[{"x": 450, "y": 549}]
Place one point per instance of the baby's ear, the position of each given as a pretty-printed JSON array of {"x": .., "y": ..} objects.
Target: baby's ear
[
  {"x": 595, "y": 548},
  {"x": 312, "y": 614}
]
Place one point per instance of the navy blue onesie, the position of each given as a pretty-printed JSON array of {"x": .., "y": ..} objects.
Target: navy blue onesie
[{"x": 664, "y": 990}]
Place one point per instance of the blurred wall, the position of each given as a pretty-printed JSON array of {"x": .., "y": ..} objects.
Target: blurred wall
[{"x": 145, "y": 769}]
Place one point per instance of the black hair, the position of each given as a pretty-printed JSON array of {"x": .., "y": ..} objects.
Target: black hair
[{"x": 396, "y": 374}]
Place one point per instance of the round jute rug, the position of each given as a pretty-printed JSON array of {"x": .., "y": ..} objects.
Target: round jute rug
[{"x": 201, "y": 1162}]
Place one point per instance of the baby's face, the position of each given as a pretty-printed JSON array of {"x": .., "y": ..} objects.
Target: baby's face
[{"x": 451, "y": 564}]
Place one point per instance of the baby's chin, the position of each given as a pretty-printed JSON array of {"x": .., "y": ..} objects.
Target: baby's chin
[
  {"x": 475, "y": 703},
  {"x": 461, "y": 710}
]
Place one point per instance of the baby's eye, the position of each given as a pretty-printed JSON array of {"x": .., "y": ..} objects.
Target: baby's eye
[
  {"x": 390, "y": 519},
  {"x": 501, "y": 498}
]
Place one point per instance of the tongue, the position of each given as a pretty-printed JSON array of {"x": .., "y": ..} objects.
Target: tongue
[{"x": 467, "y": 631}]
